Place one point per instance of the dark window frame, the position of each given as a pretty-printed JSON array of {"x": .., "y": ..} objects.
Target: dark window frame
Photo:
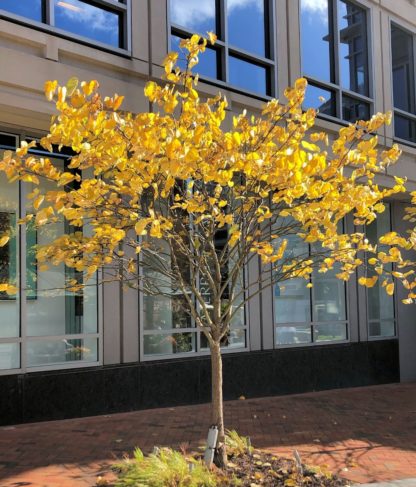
[
  {"x": 225, "y": 49},
  {"x": 121, "y": 8},
  {"x": 398, "y": 112},
  {"x": 335, "y": 67}
]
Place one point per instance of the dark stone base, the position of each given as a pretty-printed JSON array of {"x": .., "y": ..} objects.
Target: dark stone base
[{"x": 41, "y": 396}]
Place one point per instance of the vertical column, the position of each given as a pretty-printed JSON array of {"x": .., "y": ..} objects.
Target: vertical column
[
  {"x": 138, "y": 25},
  {"x": 254, "y": 315},
  {"x": 111, "y": 322}
]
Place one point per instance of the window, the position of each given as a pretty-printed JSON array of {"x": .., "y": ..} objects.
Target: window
[
  {"x": 403, "y": 70},
  {"x": 54, "y": 328},
  {"x": 243, "y": 54},
  {"x": 305, "y": 315},
  {"x": 100, "y": 21},
  {"x": 380, "y": 306},
  {"x": 339, "y": 76},
  {"x": 167, "y": 327}
]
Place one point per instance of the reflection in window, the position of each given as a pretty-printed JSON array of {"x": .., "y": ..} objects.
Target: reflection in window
[
  {"x": 243, "y": 56},
  {"x": 31, "y": 9},
  {"x": 248, "y": 76},
  {"x": 9, "y": 304},
  {"x": 354, "y": 109},
  {"x": 195, "y": 16},
  {"x": 208, "y": 62},
  {"x": 88, "y": 21},
  {"x": 247, "y": 17},
  {"x": 342, "y": 60},
  {"x": 305, "y": 315},
  {"x": 381, "y": 321},
  {"x": 59, "y": 327},
  {"x": 403, "y": 84},
  {"x": 99, "y": 20},
  {"x": 320, "y": 99},
  {"x": 60, "y": 351}
]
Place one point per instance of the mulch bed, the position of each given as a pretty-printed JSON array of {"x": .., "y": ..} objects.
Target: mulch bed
[{"x": 266, "y": 470}]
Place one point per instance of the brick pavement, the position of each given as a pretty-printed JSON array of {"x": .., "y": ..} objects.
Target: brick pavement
[{"x": 364, "y": 434}]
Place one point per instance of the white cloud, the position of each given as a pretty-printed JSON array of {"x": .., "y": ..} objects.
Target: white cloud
[
  {"x": 96, "y": 18},
  {"x": 192, "y": 13},
  {"x": 319, "y": 7}
]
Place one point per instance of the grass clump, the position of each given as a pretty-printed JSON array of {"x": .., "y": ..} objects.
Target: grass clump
[
  {"x": 237, "y": 445},
  {"x": 164, "y": 468}
]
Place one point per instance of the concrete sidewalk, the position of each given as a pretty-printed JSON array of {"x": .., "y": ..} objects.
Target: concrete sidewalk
[{"x": 363, "y": 434}]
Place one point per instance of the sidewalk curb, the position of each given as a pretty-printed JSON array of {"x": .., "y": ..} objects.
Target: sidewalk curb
[{"x": 394, "y": 483}]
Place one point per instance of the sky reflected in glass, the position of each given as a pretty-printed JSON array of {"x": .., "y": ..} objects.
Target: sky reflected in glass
[
  {"x": 353, "y": 47},
  {"x": 316, "y": 40},
  {"x": 207, "y": 65},
  {"x": 320, "y": 99},
  {"x": 247, "y": 76},
  {"x": 196, "y": 16},
  {"x": 246, "y": 25},
  {"x": 88, "y": 21},
  {"x": 31, "y": 9}
]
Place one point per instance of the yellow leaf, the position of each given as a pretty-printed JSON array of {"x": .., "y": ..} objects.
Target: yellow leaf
[
  {"x": 309, "y": 146},
  {"x": 212, "y": 37},
  {"x": 72, "y": 85},
  {"x": 390, "y": 289},
  {"x": 50, "y": 88},
  {"x": 140, "y": 227},
  {"x": 4, "y": 240}
]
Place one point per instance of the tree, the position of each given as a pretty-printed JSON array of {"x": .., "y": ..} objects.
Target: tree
[{"x": 172, "y": 198}]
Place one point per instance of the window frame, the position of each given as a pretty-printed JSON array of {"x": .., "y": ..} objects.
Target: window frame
[
  {"x": 393, "y": 297},
  {"x": 311, "y": 323},
  {"x": 199, "y": 351},
  {"x": 24, "y": 338},
  {"x": 336, "y": 87},
  {"x": 397, "y": 111},
  {"x": 123, "y": 8},
  {"x": 225, "y": 50}
]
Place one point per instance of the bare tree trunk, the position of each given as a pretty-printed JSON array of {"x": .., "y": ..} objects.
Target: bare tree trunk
[{"x": 217, "y": 408}]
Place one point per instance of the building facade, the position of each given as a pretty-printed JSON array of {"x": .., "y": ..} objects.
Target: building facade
[{"x": 113, "y": 350}]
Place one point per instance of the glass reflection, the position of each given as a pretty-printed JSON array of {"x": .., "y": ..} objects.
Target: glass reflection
[
  {"x": 320, "y": 99},
  {"x": 89, "y": 21},
  {"x": 353, "y": 47},
  {"x": 380, "y": 305},
  {"x": 292, "y": 299},
  {"x": 196, "y": 16},
  {"x": 382, "y": 329},
  {"x": 9, "y": 356},
  {"x": 207, "y": 65},
  {"x": 404, "y": 128},
  {"x": 61, "y": 351},
  {"x": 9, "y": 213},
  {"x": 31, "y": 9},
  {"x": 329, "y": 332},
  {"x": 403, "y": 70},
  {"x": 246, "y": 25},
  {"x": 317, "y": 40},
  {"x": 247, "y": 76},
  {"x": 353, "y": 109},
  {"x": 166, "y": 344},
  {"x": 292, "y": 335}
]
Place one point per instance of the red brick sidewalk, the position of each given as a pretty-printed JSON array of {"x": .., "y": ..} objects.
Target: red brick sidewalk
[{"x": 364, "y": 434}]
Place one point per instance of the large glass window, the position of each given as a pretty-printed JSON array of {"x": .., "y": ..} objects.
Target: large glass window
[
  {"x": 339, "y": 75},
  {"x": 167, "y": 327},
  {"x": 381, "y": 320},
  {"x": 100, "y": 21},
  {"x": 403, "y": 69},
  {"x": 304, "y": 314},
  {"x": 242, "y": 55},
  {"x": 56, "y": 327}
]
